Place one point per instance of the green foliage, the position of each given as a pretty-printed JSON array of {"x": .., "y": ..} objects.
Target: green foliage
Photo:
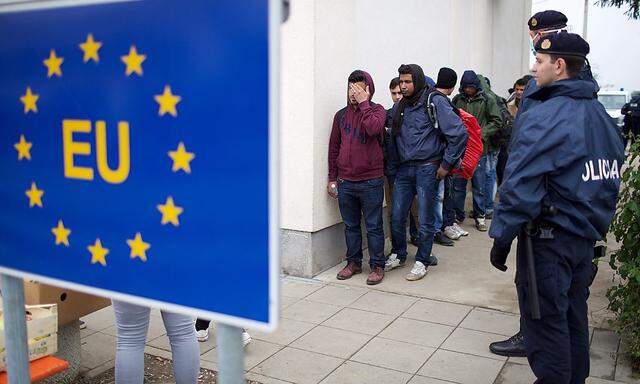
[
  {"x": 624, "y": 298},
  {"x": 634, "y": 6}
]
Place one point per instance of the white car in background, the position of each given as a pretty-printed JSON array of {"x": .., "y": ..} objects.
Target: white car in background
[{"x": 613, "y": 102}]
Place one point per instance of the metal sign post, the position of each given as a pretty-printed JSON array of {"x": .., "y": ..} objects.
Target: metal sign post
[
  {"x": 230, "y": 354},
  {"x": 15, "y": 330}
]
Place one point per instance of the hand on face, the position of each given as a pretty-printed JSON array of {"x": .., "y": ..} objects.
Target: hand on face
[{"x": 357, "y": 93}]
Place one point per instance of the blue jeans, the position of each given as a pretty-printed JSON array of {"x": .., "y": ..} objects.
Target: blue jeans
[
  {"x": 357, "y": 199},
  {"x": 413, "y": 227},
  {"x": 483, "y": 184},
  {"x": 459, "y": 196},
  {"x": 132, "y": 324},
  {"x": 448, "y": 211},
  {"x": 439, "y": 203},
  {"x": 413, "y": 180},
  {"x": 491, "y": 175}
]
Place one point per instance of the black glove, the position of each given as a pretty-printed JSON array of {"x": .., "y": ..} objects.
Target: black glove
[{"x": 499, "y": 256}]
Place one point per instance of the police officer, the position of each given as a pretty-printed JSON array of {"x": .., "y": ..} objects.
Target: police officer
[
  {"x": 631, "y": 113},
  {"x": 540, "y": 24},
  {"x": 563, "y": 176}
]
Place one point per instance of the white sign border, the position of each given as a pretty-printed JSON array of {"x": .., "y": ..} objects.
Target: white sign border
[{"x": 275, "y": 15}]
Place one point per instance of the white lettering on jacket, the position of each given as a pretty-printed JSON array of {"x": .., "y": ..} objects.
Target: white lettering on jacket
[{"x": 603, "y": 169}]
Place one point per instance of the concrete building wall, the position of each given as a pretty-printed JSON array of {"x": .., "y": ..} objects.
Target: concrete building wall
[{"x": 324, "y": 41}]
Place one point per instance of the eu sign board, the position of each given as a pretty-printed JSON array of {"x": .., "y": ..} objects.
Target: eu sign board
[{"x": 138, "y": 152}]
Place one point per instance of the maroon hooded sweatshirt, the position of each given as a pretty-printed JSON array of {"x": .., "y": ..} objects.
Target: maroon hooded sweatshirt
[{"x": 355, "y": 150}]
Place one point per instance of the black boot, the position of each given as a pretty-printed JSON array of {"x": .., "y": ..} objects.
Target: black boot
[
  {"x": 441, "y": 239},
  {"x": 512, "y": 347}
]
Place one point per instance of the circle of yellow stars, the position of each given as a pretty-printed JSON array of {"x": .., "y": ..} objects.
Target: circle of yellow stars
[{"x": 167, "y": 104}]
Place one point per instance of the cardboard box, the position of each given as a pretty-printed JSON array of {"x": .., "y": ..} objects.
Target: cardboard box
[
  {"x": 42, "y": 325},
  {"x": 39, "y": 347},
  {"x": 42, "y": 320},
  {"x": 72, "y": 305}
]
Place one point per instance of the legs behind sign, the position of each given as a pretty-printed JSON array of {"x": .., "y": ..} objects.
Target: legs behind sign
[
  {"x": 202, "y": 332},
  {"x": 132, "y": 323}
]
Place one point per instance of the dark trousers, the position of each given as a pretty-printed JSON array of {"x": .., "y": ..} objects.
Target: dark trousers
[
  {"x": 448, "y": 204},
  {"x": 412, "y": 180},
  {"x": 459, "y": 193},
  {"x": 357, "y": 199},
  {"x": 558, "y": 343},
  {"x": 503, "y": 156}
]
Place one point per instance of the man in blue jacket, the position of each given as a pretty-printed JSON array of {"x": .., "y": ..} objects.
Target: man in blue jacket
[
  {"x": 563, "y": 175},
  {"x": 426, "y": 154}
]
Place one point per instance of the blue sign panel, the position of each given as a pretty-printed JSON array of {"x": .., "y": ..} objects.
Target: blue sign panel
[{"x": 135, "y": 156}]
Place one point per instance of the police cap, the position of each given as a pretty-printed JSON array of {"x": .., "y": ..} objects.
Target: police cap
[
  {"x": 547, "y": 20},
  {"x": 563, "y": 43}
]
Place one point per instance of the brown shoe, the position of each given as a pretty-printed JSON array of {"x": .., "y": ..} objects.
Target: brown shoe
[
  {"x": 376, "y": 276},
  {"x": 347, "y": 272}
]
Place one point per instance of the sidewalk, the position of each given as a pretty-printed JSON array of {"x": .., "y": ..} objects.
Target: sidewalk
[{"x": 436, "y": 330}]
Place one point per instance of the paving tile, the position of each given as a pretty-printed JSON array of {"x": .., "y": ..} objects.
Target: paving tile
[
  {"x": 97, "y": 371},
  {"x": 163, "y": 343},
  {"x": 513, "y": 373},
  {"x": 310, "y": 311},
  {"x": 286, "y": 301},
  {"x": 100, "y": 320},
  {"x": 254, "y": 353},
  {"x": 332, "y": 341},
  {"x": 461, "y": 368},
  {"x": 337, "y": 295},
  {"x": 393, "y": 354},
  {"x": 288, "y": 330},
  {"x": 87, "y": 332},
  {"x": 158, "y": 352},
  {"x": 472, "y": 342},
  {"x": 97, "y": 349},
  {"x": 437, "y": 312},
  {"x": 299, "y": 288},
  {"x": 427, "y": 380},
  {"x": 356, "y": 373},
  {"x": 417, "y": 332},
  {"x": 156, "y": 328},
  {"x": 518, "y": 360},
  {"x": 355, "y": 320},
  {"x": 593, "y": 380},
  {"x": 605, "y": 340},
  {"x": 383, "y": 302},
  {"x": 486, "y": 320},
  {"x": 263, "y": 379},
  {"x": 298, "y": 366},
  {"x": 603, "y": 364}
]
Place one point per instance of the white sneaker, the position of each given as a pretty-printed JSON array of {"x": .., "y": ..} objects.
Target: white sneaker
[
  {"x": 451, "y": 233},
  {"x": 203, "y": 335},
  {"x": 417, "y": 272},
  {"x": 461, "y": 231},
  {"x": 393, "y": 262},
  {"x": 246, "y": 338}
]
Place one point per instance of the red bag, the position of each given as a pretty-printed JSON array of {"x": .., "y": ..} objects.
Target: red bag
[{"x": 474, "y": 146}]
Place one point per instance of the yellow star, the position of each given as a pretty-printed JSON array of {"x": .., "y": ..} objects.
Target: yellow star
[
  {"x": 61, "y": 233},
  {"x": 138, "y": 247},
  {"x": 53, "y": 64},
  {"x": 29, "y": 100},
  {"x": 24, "y": 148},
  {"x": 98, "y": 253},
  {"x": 133, "y": 61},
  {"x": 35, "y": 196},
  {"x": 170, "y": 212},
  {"x": 167, "y": 102},
  {"x": 181, "y": 159},
  {"x": 90, "y": 49}
]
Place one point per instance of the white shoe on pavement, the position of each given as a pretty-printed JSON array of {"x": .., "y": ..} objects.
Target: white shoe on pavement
[
  {"x": 202, "y": 335},
  {"x": 417, "y": 272},
  {"x": 451, "y": 233},
  {"x": 246, "y": 338},
  {"x": 393, "y": 262},
  {"x": 461, "y": 231}
]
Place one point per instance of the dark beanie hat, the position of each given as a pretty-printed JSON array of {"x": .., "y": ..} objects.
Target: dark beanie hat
[{"x": 447, "y": 78}]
